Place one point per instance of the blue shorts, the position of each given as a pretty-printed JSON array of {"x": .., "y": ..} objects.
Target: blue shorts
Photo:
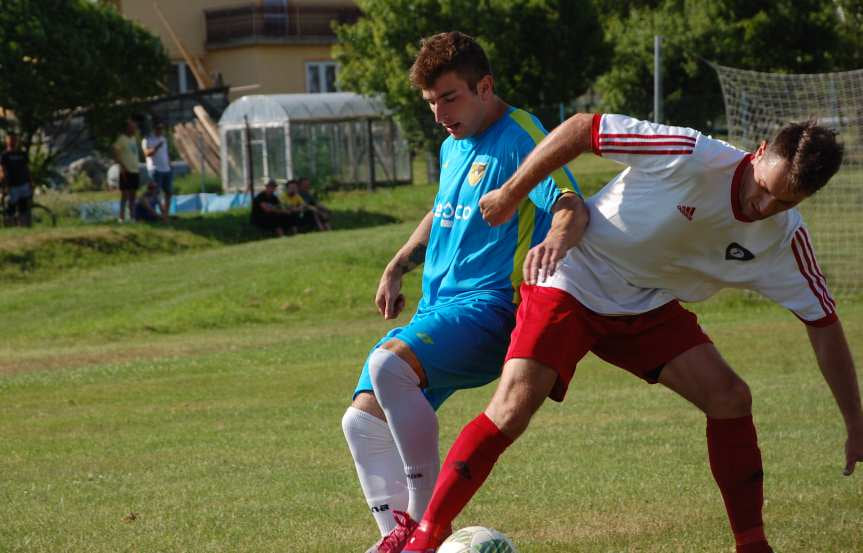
[
  {"x": 460, "y": 345},
  {"x": 165, "y": 180}
]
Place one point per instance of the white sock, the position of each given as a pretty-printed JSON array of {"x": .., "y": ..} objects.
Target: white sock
[
  {"x": 379, "y": 466},
  {"x": 412, "y": 422}
]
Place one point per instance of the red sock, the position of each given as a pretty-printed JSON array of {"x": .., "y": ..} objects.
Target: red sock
[
  {"x": 735, "y": 461},
  {"x": 467, "y": 465}
]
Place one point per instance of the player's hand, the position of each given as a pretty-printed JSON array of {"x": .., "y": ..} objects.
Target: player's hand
[
  {"x": 497, "y": 207},
  {"x": 389, "y": 299},
  {"x": 541, "y": 261},
  {"x": 853, "y": 449}
]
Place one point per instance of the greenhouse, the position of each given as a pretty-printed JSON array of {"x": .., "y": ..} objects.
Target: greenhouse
[{"x": 336, "y": 138}]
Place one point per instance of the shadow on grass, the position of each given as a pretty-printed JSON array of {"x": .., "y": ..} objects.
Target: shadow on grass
[{"x": 233, "y": 227}]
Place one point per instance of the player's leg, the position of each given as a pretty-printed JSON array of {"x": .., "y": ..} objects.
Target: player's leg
[
  {"x": 376, "y": 458},
  {"x": 667, "y": 345},
  {"x": 701, "y": 376},
  {"x": 398, "y": 378},
  {"x": 461, "y": 345},
  {"x": 549, "y": 339},
  {"x": 124, "y": 196},
  {"x": 25, "y": 208},
  {"x": 166, "y": 183},
  {"x": 523, "y": 387},
  {"x": 134, "y": 183}
]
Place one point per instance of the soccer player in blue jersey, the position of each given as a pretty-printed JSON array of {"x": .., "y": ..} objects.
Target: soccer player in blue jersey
[{"x": 459, "y": 335}]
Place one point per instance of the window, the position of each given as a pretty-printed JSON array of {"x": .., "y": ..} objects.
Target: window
[
  {"x": 321, "y": 77},
  {"x": 181, "y": 79}
]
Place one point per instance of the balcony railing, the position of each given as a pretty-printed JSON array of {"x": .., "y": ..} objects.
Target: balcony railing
[{"x": 255, "y": 23}]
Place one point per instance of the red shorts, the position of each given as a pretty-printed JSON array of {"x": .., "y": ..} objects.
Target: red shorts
[{"x": 553, "y": 328}]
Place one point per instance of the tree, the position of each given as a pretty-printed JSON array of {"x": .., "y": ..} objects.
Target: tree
[
  {"x": 60, "y": 56},
  {"x": 794, "y": 36},
  {"x": 850, "y": 13},
  {"x": 529, "y": 43}
]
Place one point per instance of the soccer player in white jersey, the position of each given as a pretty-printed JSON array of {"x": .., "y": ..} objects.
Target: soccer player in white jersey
[
  {"x": 688, "y": 216},
  {"x": 471, "y": 272}
]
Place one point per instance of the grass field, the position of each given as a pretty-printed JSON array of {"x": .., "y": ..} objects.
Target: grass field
[{"x": 188, "y": 398}]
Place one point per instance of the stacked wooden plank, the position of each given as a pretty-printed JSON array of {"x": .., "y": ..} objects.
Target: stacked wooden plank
[{"x": 196, "y": 145}]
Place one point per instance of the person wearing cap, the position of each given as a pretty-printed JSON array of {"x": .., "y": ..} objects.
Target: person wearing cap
[
  {"x": 269, "y": 214},
  {"x": 155, "y": 147}
]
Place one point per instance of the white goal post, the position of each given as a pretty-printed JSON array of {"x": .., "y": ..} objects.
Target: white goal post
[{"x": 758, "y": 104}]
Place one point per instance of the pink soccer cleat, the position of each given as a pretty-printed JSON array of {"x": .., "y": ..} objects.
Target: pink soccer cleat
[{"x": 395, "y": 541}]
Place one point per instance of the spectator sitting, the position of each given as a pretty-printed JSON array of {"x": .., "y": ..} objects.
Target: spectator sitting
[
  {"x": 147, "y": 205},
  {"x": 307, "y": 218},
  {"x": 269, "y": 214},
  {"x": 321, "y": 212}
]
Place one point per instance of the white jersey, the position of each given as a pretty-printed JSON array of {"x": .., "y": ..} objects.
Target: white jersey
[
  {"x": 670, "y": 227},
  {"x": 159, "y": 161}
]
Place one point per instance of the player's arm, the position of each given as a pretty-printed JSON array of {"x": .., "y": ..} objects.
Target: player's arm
[
  {"x": 389, "y": 299},
  {"x": 567, "y": 227},
  {"x": 566, "y": 142},
  {"x": 837, "y": 366},
  {"x": 148, "y": 151}
]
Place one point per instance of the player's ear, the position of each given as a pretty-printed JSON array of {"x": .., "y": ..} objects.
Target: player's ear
[{"x": 485, "y": 87}]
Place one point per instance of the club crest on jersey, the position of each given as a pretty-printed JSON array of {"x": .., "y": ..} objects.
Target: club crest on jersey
[
  {"x": 477, "y": 170},
  {"x": 736, "y": 252}
]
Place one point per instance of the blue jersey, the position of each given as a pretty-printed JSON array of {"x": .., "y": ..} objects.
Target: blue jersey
[{"x": 466, "y": 258}]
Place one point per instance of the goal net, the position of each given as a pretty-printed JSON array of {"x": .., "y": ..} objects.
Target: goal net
[{"x": 758, "y": 104}]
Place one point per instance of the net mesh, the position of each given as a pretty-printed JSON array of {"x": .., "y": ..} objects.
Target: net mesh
[{"x": 758, "y": 104}]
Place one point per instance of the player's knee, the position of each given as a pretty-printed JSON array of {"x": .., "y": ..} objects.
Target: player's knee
[
  {"x": 384, "y": 365},
  {"x": 367, "y": 403},
  {"x": 509, "y": 411},
  {"x": 734, "y": 399}
]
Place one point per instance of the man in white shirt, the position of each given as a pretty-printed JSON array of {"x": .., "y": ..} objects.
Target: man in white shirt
[
  {"x": 688, "y": 216},
  {"x": 155, "y": 149}
]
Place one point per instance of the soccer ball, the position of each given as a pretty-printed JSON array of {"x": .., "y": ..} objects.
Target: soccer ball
[{"x": 477, "y": 539}]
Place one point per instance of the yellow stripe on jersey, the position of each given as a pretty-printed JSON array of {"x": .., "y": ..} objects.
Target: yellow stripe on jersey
[
  {"x": 526, "y": 224},
  {"x": 526, "y": 122}
]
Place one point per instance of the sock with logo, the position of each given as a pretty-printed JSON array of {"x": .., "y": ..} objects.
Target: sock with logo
[
  {"x": 467, "y": 465},
  {"x": 379, "y": 466},
  {"x": 412, "y": 422},
  {"x": 735, "y": 461}
]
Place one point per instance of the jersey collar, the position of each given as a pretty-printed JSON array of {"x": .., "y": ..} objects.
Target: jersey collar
[{"x": 736, "y": 183}]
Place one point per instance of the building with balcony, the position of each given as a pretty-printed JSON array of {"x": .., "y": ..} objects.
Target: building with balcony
[{"x": 257, "y": 47}]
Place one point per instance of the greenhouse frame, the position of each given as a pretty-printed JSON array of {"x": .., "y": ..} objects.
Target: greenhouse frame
[{"x": 334, "y": 139}]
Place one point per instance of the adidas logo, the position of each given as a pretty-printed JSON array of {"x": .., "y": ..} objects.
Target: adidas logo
[
  {"x": 462, "y": 469},
  {"x": 687, "y": 211}
]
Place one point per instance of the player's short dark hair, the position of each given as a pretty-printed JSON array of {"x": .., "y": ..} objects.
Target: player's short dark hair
[
  {"x": 452, "y": 51},
  {"x": 812, "y": 151}
]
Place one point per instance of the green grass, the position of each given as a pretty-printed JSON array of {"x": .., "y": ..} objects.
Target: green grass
[
  {"x": 186, "y": 396},
  {"x": 45, "y": 253},
  {"x": 190, "y": 183}
]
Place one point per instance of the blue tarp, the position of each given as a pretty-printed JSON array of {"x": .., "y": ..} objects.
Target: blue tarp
[{"x": 184, "y": 203}]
